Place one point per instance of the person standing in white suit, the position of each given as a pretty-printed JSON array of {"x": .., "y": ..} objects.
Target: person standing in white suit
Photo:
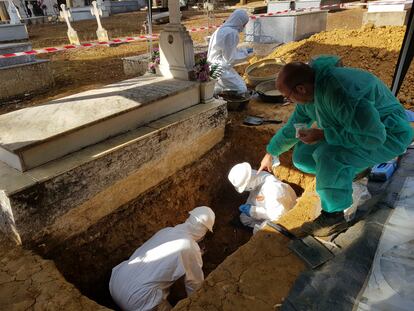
[
  {"x": 142, "y": 282},
  {"x": 269, "y": 198}
]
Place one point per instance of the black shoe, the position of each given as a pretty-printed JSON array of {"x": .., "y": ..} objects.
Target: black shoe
[
  {"x": 326, "y": 224},
  {"x": 362, "y": 174}
]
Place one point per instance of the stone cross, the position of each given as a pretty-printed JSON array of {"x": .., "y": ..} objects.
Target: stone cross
[
  {"x": 174, "y": 10},
  {"x": 13, "y": 13},
  {"x": 100, "y": 32},
  {"x": 72, "y": 34}
]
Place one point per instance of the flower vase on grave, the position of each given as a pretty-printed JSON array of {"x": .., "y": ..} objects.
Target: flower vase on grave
[
  {"x": 204, "y": 73},
  {"x": 207, "y": 91}
]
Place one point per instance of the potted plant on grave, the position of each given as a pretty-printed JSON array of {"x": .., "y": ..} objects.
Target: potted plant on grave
[
  {"x": 155, "y": 61},
  {"x": 204, "y": 73}
]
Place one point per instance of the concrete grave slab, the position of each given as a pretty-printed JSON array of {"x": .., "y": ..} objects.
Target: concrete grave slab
[
  {"x": 277, "y": 6},
  {"x": 14, "y": 48},
  {"x": 138, "y": 65},
  {"x": 386, "y": 18},
  {"x": 391, "y": 6},
  {"x": 81, "y": 14},
  {"x": 62, "y": 198},
  {"x": 33, "y": 136},
  {"x": 124, "y": 6},
  {"x": 22, "y": 74},
  {"x": 12, "y": 32},
  {"x": 25, "y": 78},
  {"x": 290, "y": 26}
]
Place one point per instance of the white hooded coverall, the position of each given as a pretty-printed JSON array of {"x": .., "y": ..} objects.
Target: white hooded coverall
[
  {"x": 223, "y": 51},
  {"x": 269, "y": 197},
  {"x": 142, "y": 282}
]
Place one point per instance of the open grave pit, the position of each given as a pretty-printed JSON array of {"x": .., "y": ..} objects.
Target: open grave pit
[{"x": 86, "y": 259}]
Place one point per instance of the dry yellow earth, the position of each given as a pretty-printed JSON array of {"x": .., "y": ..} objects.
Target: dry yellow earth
[
  {"x": 28, "y": 282},
  {"x": 368, "y": 48}
]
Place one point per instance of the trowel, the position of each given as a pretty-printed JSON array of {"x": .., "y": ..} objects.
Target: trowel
[
  {"x": 251, "y": 120},
  {"x": 309, "y": 249}
]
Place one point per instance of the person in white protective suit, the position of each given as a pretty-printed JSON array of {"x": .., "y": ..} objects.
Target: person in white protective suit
[
  {"x": 269, "y": 198},
  {"x": 223, "y": 51},
  {"x": 142, "y": 282}
]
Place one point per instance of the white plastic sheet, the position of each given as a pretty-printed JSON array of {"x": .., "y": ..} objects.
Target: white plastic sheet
[{"x": 391, "y": 282}]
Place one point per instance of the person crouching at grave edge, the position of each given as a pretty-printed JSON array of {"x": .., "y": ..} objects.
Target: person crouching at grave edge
[
  {"x": 269, "y": 198},
  {"x": 223, "y": 53},
  {"x": 360, "y": 123},
  {"x": 143, "y": 281}
]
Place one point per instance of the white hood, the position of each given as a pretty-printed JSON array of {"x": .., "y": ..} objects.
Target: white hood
[{"x": 237, "y": 20}]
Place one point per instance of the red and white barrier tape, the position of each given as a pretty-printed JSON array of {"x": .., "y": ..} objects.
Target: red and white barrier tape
[
  {"x": 92, "y": 44},
  {"x": 322, "y": 7},
  {"x": 145, "y": 38},
  {"x": 83, "y": 45},
  {"x": 203, "y": 28},
  {"x": 391, "y": 2}
]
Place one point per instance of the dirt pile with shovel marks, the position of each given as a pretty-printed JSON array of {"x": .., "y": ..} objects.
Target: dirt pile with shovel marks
[{"x": 375, "y": 49}]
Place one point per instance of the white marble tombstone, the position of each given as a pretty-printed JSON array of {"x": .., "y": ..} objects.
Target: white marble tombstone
[
  {"x": 176, "y": 46},
  {"x": 13, "y": 13},
  {"x": 72, "y": 34},
  {"x": 101, "y": 33}
]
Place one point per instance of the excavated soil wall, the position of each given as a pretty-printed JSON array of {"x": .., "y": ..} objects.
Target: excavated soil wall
[{"x": 86, "y": 260}]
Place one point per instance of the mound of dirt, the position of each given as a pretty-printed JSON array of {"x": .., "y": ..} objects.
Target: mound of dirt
[{"x": 368, "y": 48}]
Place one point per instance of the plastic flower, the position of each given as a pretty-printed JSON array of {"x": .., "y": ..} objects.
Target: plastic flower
[
  {"x": 203, "y": 76},
  {"x": 155, "y": 60},
  {"x": 201, "y": 67}
]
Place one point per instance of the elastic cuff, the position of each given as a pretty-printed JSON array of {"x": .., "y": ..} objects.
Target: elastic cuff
[{"x": 270, "y": 151}]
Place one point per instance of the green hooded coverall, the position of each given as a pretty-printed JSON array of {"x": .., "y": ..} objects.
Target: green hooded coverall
[{"x": 363, "y": 123}]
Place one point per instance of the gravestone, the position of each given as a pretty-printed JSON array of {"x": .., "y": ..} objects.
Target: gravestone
[
  {"x": 176, "y": 46},
  {"x": 22, "y": 74},
  {"x": 13, "y": 13},
  {"x": 387, "y": 13},
  {"x": 72, "y": 34},
  {"x": 101, "y": 33},
  {"x": 15, "y": 30},
  {"x": 291, "y": 26}
]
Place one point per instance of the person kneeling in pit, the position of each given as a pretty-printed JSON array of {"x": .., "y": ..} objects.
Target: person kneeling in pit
[
  {"x": 269, "y": 198},
  {"x": 143, "y": 281}
]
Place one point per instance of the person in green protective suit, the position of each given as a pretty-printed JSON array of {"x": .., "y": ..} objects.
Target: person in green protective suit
[{"x": 359, "y": 124}]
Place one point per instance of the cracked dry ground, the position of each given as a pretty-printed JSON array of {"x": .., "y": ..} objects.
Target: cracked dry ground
[{"x": 28, "y": 282}]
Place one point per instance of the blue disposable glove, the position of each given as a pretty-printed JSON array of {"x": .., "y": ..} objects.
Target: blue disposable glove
[
  {"x": 249, "y": 50},
  {"x": 245, "y": 208}
]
